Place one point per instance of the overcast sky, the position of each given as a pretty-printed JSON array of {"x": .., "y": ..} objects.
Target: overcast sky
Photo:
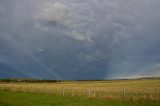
[{"x": 79, "y": 39}]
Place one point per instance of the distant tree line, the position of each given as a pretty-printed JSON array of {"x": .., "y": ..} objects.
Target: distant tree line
[
  {"x": 28, "y": 80},
  {"x": 10, "y": 80}
]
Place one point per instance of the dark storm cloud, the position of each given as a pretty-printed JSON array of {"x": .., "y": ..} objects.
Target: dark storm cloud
[{"x": 80, "y": 39}]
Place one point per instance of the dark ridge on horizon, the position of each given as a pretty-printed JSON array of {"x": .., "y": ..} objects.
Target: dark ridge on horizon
[{"x": 23, "y": 80}]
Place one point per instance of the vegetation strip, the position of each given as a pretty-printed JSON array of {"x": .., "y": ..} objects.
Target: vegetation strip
[{"x": 143, "y": 92}]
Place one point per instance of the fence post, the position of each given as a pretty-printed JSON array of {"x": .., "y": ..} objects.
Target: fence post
[
  {"x": 20, "y": 89},
  {"x": 62, "y": 91},
  {"x": 89, "y": 92},
  {"x": 124, "y": 93}
]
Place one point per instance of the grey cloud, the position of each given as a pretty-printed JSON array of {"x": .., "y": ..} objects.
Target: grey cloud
[
  {"x": 59, "y": 14},
  {"x": 56, "y": 12}
]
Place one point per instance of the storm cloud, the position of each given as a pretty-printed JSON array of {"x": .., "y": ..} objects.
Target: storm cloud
[{"x": 79, "y": 39}]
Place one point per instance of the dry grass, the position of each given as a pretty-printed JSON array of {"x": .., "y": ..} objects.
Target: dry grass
[{"x": 147, "y": 89}]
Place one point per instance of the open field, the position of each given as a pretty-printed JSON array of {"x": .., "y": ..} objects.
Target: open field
[{"x": 144, "y": 91}]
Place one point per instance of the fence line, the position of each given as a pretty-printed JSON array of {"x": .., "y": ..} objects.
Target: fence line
[{"x": 121, "y": 93}]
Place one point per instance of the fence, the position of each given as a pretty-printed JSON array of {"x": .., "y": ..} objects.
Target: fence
[{"x": 121, "y": 93}]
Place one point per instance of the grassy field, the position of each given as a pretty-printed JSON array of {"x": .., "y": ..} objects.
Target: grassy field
[
  {"x": 10, "y": 98},
  {"x": 144, "y": 92}
]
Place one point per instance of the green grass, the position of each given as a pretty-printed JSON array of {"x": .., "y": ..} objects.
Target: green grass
[{"x": 11, "y": 98}]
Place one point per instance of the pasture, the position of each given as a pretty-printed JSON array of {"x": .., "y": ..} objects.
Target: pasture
[{"x": 143, "y": 92}]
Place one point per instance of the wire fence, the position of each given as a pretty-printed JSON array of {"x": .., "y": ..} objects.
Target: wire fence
[{"x": 120, "y": 93}]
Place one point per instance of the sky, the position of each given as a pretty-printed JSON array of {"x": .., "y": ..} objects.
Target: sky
[{"x": 79, "y": 39}]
